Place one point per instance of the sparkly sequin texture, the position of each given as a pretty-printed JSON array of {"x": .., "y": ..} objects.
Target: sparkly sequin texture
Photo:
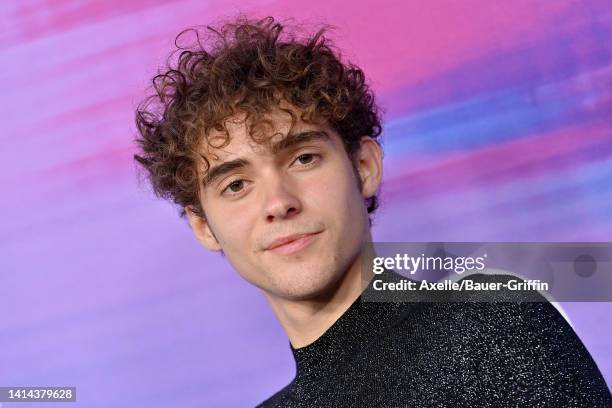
[{"x": 446, "y": 354}]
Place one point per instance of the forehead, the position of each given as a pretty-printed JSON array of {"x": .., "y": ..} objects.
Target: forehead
[{"x": 262, "y": 137}]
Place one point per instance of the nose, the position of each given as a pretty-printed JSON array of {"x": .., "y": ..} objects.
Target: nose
[{"x": 281, "y": 202}]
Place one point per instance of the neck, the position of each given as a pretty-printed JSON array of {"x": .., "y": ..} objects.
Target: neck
[{"x": 305, "y": 321}]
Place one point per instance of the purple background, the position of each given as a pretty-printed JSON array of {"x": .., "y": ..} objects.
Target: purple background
[{"x": 497, "y": 128}]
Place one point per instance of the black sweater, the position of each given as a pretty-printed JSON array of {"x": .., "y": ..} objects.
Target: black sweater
[{"x": 446, "y": 354}]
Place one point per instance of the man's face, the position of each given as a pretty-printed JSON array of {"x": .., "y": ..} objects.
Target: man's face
[{"x": 305, "y": 187}]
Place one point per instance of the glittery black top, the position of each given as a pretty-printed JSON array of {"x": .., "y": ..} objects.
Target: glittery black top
[{"x": 446, "y": 354}]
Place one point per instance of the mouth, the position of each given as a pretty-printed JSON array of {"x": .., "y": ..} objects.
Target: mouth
[{"x": 294, "y": 246}]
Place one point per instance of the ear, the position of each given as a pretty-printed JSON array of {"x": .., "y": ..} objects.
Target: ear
[
  {"x": 369, "y": 165},
  {"x": 202, "y": 231}
]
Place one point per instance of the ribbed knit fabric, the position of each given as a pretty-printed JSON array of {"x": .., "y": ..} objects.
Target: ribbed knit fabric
[{"x": 446, "y": 354}]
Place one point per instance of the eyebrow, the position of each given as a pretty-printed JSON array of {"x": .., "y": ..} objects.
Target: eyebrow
[{"x": 219, "y": 170}]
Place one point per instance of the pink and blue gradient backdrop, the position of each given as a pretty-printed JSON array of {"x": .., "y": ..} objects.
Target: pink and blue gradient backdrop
[{"x": 497, "y": 128}]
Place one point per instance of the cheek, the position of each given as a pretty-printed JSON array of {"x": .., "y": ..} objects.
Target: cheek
[
  {"x": 335, "y": 193},
  {"x": 235, "y": 237},
  {"x": 233, "y": 232}
]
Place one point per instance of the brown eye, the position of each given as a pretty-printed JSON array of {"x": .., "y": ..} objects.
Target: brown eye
[
  {"x": 234, "y": 186},
  {"x": 308, "y": 157}
]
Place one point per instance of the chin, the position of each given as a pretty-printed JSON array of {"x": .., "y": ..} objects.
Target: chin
[{"x": 310, "y": 284}]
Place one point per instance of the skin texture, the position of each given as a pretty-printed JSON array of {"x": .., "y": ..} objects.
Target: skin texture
[{"x": 310, "y": 187}]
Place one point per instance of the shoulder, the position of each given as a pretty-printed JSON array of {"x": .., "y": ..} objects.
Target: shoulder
[
  {"x": 518, "y": 347},
  {"x": 278, "y": 399}
]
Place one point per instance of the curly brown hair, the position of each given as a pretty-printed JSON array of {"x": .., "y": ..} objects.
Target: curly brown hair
[{"x": 250, "y": 66}]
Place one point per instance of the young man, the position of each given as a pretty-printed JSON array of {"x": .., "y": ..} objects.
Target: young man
[{"x": 268, "y": 144}]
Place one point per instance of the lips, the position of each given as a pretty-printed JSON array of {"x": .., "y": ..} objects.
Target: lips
[{"x": 291, "y": 243}]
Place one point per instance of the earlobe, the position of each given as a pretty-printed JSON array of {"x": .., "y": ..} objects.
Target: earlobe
[
  {"x": 370, "y": 166},
  {"x": 202, "y": 230}
]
